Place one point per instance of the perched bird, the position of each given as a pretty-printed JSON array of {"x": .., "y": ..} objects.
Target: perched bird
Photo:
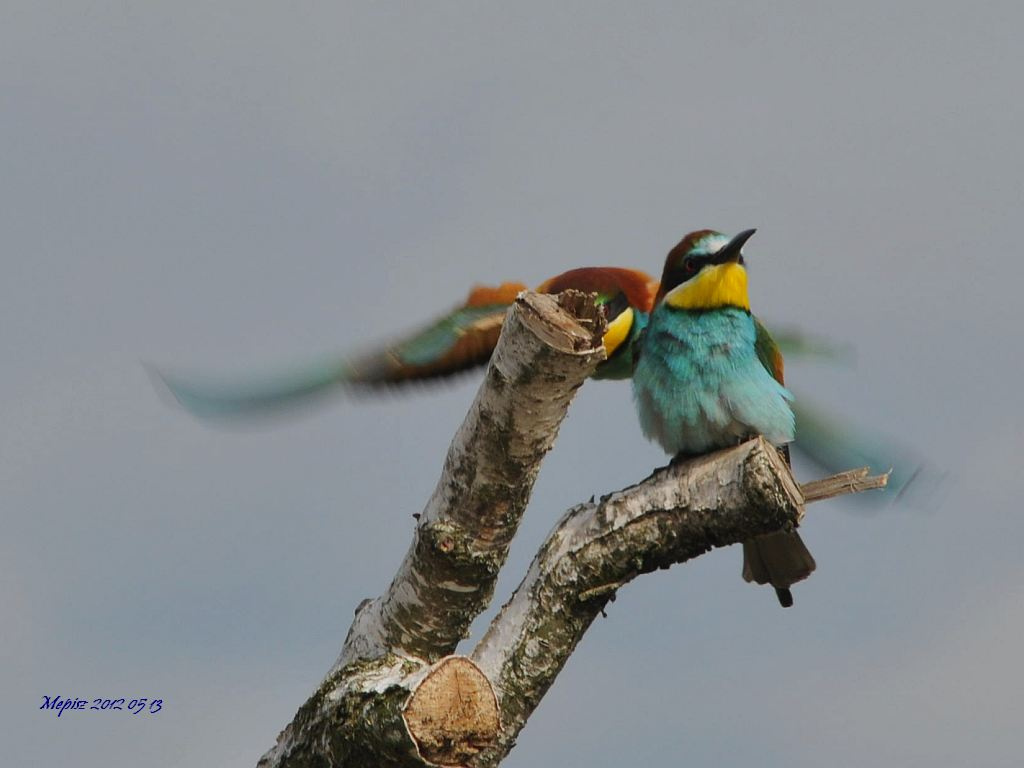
[{"x": 708, "y": 375}]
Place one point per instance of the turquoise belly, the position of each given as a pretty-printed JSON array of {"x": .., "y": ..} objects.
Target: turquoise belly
[{"x": 699, "y": 384}]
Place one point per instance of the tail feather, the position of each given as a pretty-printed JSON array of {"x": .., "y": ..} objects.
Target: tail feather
[
  {"x": 780, "y": 559},
  {"x": 785, "y": 596}
]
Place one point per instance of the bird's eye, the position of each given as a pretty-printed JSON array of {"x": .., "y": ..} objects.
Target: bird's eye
[{"x": 690, "y": 264}]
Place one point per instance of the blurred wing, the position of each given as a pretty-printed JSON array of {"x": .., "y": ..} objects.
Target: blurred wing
[
  {"x": 457, "y": 342},
  {"x": 207, "y": 397},
  {"x": 460, "y": 340},
  {"x": 837, "y": 446},
  {"x": 796, "y": 343},
  {"x": 829, "y": 443}
]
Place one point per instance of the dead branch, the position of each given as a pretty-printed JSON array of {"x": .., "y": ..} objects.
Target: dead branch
[
  {"x": 678, "y": 513},
  {"x": 396, "y": 697}
]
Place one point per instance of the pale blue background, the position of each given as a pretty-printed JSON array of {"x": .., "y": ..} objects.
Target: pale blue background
[{"x": 237, "y": 186}]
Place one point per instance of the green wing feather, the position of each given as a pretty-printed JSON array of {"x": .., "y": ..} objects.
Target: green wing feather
[
  {"x": 768, "y": 352},
  {"x": 209, "y": 397},
  {"x": 826, "y": 440},
  {"x": 836, "y": 446},
  {"x": 793, "y": 342},
  {"x": 460, "y": 340}
]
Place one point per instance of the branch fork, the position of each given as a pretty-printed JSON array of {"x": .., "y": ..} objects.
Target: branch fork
[{"x": 397, "y": 696}]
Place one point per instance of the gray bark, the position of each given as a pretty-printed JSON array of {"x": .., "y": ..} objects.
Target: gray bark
[
  {"x": 680, "y": 512},
  {"x": 447, "y": 578}
]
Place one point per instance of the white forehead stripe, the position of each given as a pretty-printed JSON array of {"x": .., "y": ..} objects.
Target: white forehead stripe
[{"x": 711, "y": 243}]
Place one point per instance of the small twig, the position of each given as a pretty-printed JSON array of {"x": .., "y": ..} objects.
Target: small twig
[
  {"x": 851, "y": 481},
  {"x": 602, "y": 590}
]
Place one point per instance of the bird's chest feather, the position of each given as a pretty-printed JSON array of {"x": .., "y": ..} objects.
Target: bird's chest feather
[{"x": 699, "y": 384}]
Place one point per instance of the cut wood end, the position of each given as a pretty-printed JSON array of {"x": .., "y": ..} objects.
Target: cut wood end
[
  {"x": 453, "y": 713},
  {"x": 783, "y": 471},
  {"x": 569, "y": 322}
]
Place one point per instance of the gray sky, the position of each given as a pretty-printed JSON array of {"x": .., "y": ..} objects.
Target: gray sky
[{"x": 251, "y": 185}]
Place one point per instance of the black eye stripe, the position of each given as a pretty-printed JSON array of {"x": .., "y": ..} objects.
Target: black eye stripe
[
  {"x": 694, "y": 263},
  {"x": 684, "y": 269}
]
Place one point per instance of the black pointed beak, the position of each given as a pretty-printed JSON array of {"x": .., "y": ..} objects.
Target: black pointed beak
[{"x": 731, "y": 250}]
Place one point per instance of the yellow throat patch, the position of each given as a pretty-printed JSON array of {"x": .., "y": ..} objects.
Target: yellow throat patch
[
  {"x": 721, "y": 285},
  {"x": 617, "y": 331}
]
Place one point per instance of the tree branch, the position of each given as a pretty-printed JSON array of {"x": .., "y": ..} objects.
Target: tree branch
[
  {"x": 851, "y": 481},
  {"x": 678, "y": 513},
  {"x": 395, "y": 697},
  {"x": 548, "y": 347},
  {"x": 461, "y": 541}
]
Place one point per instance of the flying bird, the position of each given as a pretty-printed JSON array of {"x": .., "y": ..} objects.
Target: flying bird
[{"x": 459, "y": 341}]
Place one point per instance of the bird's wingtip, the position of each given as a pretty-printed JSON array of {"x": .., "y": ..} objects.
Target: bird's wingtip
[{"x": 162, "y": 384}]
